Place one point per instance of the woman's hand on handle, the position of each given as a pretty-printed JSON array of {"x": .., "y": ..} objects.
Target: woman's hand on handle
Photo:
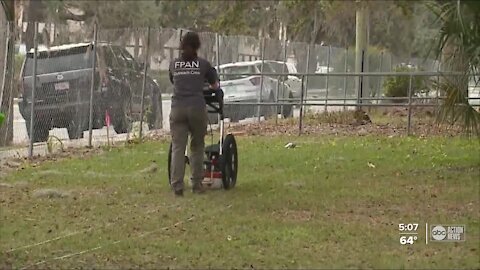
[{"x": 215, "y": 85}]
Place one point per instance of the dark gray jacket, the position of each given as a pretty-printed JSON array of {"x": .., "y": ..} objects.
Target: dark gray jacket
[{"x": 188, "y": 78}]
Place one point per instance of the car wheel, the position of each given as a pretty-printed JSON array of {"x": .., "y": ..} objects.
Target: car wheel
[
  {"x": 123, "y": 118},
  {"x": 237, "y": 114},
  {"x": 213, "y": 119},
  {"x": 269, "y": 110},
  {"x": 76, "y": 126},
  {"x": 40, "y": 131},
  {"x": 75, "y": 130},
  {"x": 287, "y": 109},
  {"x": 153, "y": 109},
  {"x": 98, "y": 120}
]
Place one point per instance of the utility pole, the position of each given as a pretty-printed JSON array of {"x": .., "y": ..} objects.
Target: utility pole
[{"x": 361, "y": 45}]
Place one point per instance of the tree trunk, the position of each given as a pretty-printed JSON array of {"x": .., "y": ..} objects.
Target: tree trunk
[{"x": 6, "y": 130}]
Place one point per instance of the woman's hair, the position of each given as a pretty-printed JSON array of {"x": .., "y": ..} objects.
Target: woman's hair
[{"x": 190, "y": 44}]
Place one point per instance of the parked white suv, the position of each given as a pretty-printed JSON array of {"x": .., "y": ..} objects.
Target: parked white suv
[
  {"x": 241, "y": 82},
  {"x": 293, "y": 81}
]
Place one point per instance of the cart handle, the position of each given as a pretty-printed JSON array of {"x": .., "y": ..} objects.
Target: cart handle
[{"x": 214, "y": 99}]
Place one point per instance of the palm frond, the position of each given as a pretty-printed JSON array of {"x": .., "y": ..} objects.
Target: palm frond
[
  {"x": 458, "y": 44},
  {"x": 456, "y": 109}
]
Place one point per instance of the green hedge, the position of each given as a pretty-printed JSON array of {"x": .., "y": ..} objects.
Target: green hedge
[{"x": 397, "y": 86}]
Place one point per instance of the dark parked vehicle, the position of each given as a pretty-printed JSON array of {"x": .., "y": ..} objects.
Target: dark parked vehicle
[{"x": 63, "y": 85}]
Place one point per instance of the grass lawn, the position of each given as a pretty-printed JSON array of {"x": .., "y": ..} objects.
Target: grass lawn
[{"x": 332, "y": 202}]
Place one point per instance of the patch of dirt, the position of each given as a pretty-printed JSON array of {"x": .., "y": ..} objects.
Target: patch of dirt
[
  {"x": 15, "y": 164},
  {"x": 19, "y": 184},
  {"x": 403, "y": 112},
  {"x": 296, "y": 215},
  {"x": 150, "y": 169},
  {"x": 50, "y": 193},
  {"x": 158, "y": 135},
  {"x": 6, "y": 185},
  {"x": 295, "y": 184},
  {"x": 288, "y": 127}
]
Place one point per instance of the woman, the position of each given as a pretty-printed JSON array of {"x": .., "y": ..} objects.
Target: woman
[{"x": 188, "y": 114}]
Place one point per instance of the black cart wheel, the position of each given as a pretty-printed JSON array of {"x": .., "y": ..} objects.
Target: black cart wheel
[
  {"x": 229, "y": 161},
  {"x": 170, "y": 164}
]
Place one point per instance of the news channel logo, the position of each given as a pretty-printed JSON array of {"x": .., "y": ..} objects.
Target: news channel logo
[{"x": 447, "y": 233}]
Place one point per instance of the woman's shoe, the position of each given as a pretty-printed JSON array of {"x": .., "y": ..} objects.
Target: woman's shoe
[{"x": 198, "y": 188}]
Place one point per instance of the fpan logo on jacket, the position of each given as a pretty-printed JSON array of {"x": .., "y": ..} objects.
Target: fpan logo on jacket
[
  {"x": 186, "y": 68},
  {"x": 447, "y": 233},
  {"x": 187, "y": 65}
]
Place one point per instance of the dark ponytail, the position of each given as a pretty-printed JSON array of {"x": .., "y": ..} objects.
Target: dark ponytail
[{"x": 189, "y": 45}]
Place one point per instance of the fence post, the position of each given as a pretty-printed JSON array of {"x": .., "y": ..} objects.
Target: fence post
[
  {"x": 306, "y": 81},
  {"x": 217, "y": 50},
  {"x": 326, "y": 79},
  {"x": 283, "y": 68},
  {"x": 92, "y": 85},
  {"x": 360, "y": 80},
  {"x": 217, "y": 60},
  {"x": 391, "y": 62},
  {"x": 437, "y": 95},
  {"x": 144, "y": 84},
  {"x": 377, "y": 92},
  {"x": 276, "y": 99},
  {"x": 345, "y": 80},
  {"x": 7, "y": 41},
  {"x": 34, "y": 85},
  {"x": 261, "y": 78},
  {"x": 409, "y": 121},
  {"x": 300, "y": 122}
]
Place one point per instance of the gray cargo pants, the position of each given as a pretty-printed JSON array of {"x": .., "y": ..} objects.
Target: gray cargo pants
[{"x": 185, "y": 121}]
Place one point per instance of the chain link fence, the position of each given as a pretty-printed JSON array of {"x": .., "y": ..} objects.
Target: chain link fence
[{"x": 91, "y": 86}]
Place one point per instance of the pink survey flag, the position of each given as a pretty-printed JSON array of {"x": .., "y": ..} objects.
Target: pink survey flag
[{"x": 107, "y": 118}]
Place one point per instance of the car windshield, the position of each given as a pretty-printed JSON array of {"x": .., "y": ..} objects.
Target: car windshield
[
  {"x": 59, "y": 61},
  {"x": 231, "y": 73}
]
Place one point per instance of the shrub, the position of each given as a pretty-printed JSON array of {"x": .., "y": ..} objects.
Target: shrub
[{"x": 397, "y": 86}]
